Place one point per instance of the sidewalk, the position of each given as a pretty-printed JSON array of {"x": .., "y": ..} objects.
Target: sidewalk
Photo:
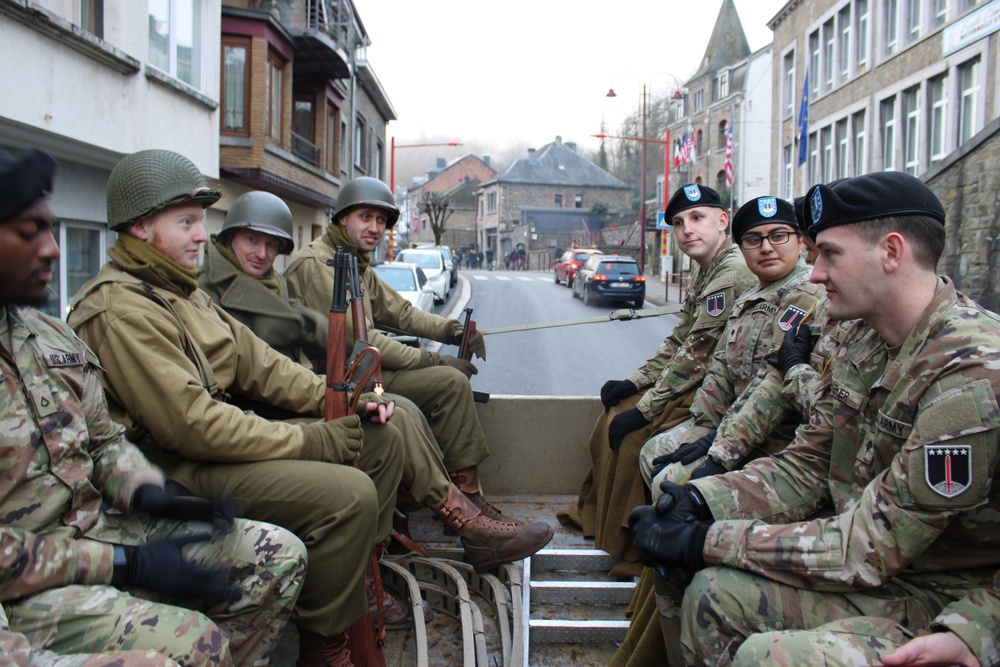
[{"x": 659, "y": 294}]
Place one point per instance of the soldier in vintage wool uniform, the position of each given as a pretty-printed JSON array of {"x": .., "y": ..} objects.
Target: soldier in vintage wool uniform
[
  {"x": 769, "y": 237},
  {"x": 437, "y": 384},
  {"x": 145, "y": 305},
  {"x": 884, "y": 505},
  {"x": 657, "y": 396},
  {"x": 74, "y": 578}
]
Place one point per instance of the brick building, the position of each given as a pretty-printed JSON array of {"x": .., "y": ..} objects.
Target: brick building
[{"x": 458, "y": 179}]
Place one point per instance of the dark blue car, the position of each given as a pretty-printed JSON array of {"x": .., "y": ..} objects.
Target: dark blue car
[{"x": 610, "y": 277}]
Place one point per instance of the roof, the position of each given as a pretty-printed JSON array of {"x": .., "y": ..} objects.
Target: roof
[
  {"x": 728, "y": 44},
  {"x": 558, "y": 164}
]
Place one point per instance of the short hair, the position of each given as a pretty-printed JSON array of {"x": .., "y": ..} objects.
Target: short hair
[{"x": 925, "y": 234}]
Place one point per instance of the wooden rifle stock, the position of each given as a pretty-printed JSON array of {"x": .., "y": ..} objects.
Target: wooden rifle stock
[
  {"x": 468, "y": 329},
  {"x": 361, "y": 327}
]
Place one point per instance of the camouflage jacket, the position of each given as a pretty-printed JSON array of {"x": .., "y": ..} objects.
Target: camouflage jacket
[
  {"x": 62, "y": 456},
  {"x": 172, "y": 359},
  {"x": 683, "y": 358},
  {"x": 754, "y": 331},
  {"x": 310, "y": 280},
  {"x": 976, "y": 619},
  {"x": 893, "y": 474}
]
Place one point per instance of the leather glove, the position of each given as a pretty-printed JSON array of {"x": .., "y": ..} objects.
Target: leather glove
[
  {"x": 794, "y": 350},
  {"x": 668, "y": 541},
  {"x": 708, "y": 468},
  {"x": 467, "y": 367},
  {"x": 379, "y": 401},
  {"x": 160, "y": 568},
  {"x": 174, "y": 502},
  {"x": 615, "y": 390},
  {"x": 337, "y": 441},
  {"x": 626, "y": 422},
  {"x": 477, "y": 343},
  {"x": 685, "y": 454}
]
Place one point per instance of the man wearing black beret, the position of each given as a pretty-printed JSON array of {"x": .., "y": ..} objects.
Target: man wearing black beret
[
  {"x": 883, "y": 511},
  {"x": 657, "y": 396}
]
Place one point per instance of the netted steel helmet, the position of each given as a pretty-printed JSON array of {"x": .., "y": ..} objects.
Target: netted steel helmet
[
  {"x": 262, "y": 212},
  {"x": 147, "y": 181},
  {"x": 366, "y": 191}
]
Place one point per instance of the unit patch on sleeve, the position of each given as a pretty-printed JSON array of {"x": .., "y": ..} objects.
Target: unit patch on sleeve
[
  {"x": 715, "y": 304},
  {"x": 948, "y": 468},
  {"x": 792, "y": 317}
]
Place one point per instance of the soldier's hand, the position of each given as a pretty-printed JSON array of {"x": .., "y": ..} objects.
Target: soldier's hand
[
  {"x": 624, "y": 423},
  {"x": 375, "y": 406},
  {"x": 794, "y": 350},
  {"x": 467, "y": 367},
  {"x": 477, "y": 342},
  {"x": 160, "y": 568},
  {"x": 170, "y": 503},
  {"x": 938, "y": 648},
  {"x": 684, "y": 500},
  {"x": 336, "y": 441},
  {"x": 685, "y": 454},
  {"x": 615, "y": 390},
  {"x": 708, "y": 468},
  {"x": 668, "y": 539}
]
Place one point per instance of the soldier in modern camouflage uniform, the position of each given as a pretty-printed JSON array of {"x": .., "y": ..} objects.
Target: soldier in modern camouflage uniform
[
  {"x": 657, "y": 395},
  {"x": 75, "y": 578},
  {"x": 884, "y": 505},
  {"x": 780, "y": 302}
]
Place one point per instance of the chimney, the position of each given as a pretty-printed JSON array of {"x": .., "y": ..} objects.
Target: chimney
[
  {"x": 558, "y": 140},
  {"x": 441, "y": 162},
  {"x": 486, "y": 160},
  {"x": 531, "y": 154}
]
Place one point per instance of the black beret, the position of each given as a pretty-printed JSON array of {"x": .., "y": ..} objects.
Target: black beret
[
  {"x": 763, "y": 211},
  {"x": 691, "y": 196},
  {"x": 868, "y": 197},
  {"x": 24, "y": 180}
]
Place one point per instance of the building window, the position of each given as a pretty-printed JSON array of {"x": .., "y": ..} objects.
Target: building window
[
  {"x": 491, "y": 202},
  {"x": 699, "y": 100},
  {"x": 345, "y": 143},
  {"x": 699, "y": 146},
  {"x": 578, "y": 201},
  {"x": 911, "y": 130},
  {"x": 724, "y": 85},
  {"x": 82, "y": 254},
  {"x": 235, "y": 92},
  {"x": 814, "y": 65},
  {"x": 914, "y": 20},
  {"x": 176, "y": 39},
  {"x": 844, "y": 47},
  {"x": 92, "y": 17},
  {"x": 940, "y": 12},
  {"x": 558, "y": 201},
  {"x": 814, "y": 173},
  {"x": 890, "y": 21},
  {"x": 843, "y": 149},
  {"x": 786, "y": 185},
  {"x": 788, "y": 94},
  {"x": 968, "y": 77},
  {"x": 861, "y": 33},
  {"x": 360, "y": 142},
  {"x": 829, "y": 40},
  {"x": 860, "y": 148},
  {"x": 332, "y": 139},
  {"x": 304, "y": 128},
  {"x": 826, "y": 141},
  {"x": 723, "y": 134},
  {"x": 379, "y": 149},
  {"x": 888, "y": 117},
  {"x": 273, "y": 92},
  {"x": 938, "y": 99}
]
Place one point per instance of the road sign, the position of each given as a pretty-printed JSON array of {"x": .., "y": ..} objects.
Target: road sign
[{"x": 661, "y": 221}]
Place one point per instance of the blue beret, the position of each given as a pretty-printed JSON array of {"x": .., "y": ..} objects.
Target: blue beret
[
  {"x": 763, "y": 211},
  {"x": 691, "y": 196},
  {"x": 24, "y": 180},
  {"x": 868, "y": 197}
]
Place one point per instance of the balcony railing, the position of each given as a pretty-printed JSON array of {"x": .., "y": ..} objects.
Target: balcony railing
[{"x": 305, "y": 149}]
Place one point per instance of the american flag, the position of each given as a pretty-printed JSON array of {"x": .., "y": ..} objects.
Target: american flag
[
  {"x": 729, "y": 158},
  {"x": 688, "y": 152}
]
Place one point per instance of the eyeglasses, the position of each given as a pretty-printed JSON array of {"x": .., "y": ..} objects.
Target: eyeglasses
[{"x": 774, "y": 238}]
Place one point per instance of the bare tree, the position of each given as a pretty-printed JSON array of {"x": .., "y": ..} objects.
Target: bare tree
[{"x": 437, "y": 206}]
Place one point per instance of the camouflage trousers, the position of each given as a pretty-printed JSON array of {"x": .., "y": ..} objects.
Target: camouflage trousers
[
  {"x": 722, "y": 608},
  {"x": 266, "y": 565},
  {"x": 667, "y": 443}
]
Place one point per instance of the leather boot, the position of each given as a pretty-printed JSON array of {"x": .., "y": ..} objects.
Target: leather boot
[
  {"x": 488, "y": 542},
  {"x": 318, "y": 651},
  {"x": 467, "y": 479},
  {"x": 396, "y": 614}
]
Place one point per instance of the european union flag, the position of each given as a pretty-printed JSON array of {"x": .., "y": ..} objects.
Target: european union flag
[{"x": 804, "y": 121}]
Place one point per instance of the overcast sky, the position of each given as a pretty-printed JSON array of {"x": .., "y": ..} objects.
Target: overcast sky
[{"x": 502, "y": 74}]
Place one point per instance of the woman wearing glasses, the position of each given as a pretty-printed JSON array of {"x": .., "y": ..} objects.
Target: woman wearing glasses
[{"x": 772, "y": 243}]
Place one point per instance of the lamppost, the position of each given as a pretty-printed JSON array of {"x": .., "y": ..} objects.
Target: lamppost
[
  {"x": 392, "y": 177},
  {"x": 642, "y": 178}
]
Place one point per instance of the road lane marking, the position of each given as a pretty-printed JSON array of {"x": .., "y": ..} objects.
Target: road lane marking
[{"x": 502, "y": 278}]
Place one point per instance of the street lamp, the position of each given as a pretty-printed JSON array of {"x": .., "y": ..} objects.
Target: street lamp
[
  {"x": 642, "y": 177},
  {"x": 392, "y": 178}
]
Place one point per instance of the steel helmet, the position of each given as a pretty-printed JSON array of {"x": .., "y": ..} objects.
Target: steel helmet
[
  {"x": 366, "y": 191},
  {"x": 263, "y": 212},
  {"x": 145, "y": 182}
]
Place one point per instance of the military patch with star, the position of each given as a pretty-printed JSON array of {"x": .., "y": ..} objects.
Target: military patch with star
[
  {"x": 715, "y": 304},
  {"x": 792, "y": 317},
  {"x": 948, "y": 468}
]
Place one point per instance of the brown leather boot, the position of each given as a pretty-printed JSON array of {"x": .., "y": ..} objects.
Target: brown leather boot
[
  {"x": 467, "y": 479},
  {"x": 396, "y": 614},
  {"x": 489, "y": 542},
  {"x": 318, "y": 651}
]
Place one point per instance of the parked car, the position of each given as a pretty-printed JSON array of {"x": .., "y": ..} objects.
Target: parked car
[
  {"x": 449, "y": 261},
  {"x": 570, "y": 263},
  {"x": 412, "y": 284},
  {"x": 608, "y": 277},
  {"x": 432, "y": 262}
]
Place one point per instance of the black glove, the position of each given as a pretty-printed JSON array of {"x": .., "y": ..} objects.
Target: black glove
[
  {"x": 668, "y": 541},
  {"x": 174, "y": 502},
  {"x": 160, "y": 568},
  {"x": 685, "y": 454},
  {"x": 708, "y": 468},
  {"x": 683, "y": 499},
  {"x": 795, "y": 349},
  {"x": 622, "y": 425},
  {"x": 615, "y": 390}
]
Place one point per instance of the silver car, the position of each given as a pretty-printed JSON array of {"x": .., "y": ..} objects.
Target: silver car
[
  {"x": 412, "y": 284},
  {"x": 431, "y": 261}
]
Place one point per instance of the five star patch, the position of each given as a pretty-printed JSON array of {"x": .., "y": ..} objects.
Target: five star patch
[
  {"x": 948, "y": 468},
  {"x": 715, "y": 304},
  {"x": 792, "y": 317}
]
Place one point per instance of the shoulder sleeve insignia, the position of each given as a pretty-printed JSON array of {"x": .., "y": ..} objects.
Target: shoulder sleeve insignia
[
  {"x": 715, "y": 304},
  {"x": 792, "y": 316},
  {"x": 948, "y": 468}
]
